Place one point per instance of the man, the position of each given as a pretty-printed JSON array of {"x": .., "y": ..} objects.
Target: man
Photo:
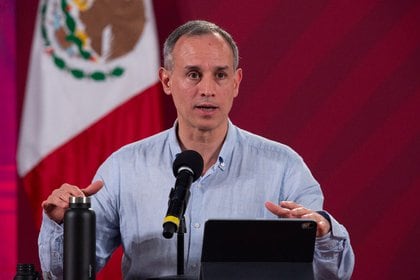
[{"x": 244, "y": 176}]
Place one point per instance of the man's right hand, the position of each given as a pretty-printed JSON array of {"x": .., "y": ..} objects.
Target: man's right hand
[{"x": 56, "y": 204}]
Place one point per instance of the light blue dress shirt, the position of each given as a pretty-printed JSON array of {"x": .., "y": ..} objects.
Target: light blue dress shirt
[{"x": 132, "y": 204}]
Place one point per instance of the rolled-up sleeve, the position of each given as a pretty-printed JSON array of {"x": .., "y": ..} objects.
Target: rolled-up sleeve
[
  {"x": 334, "y": 257},
  {"x": 50, "y": 246}
]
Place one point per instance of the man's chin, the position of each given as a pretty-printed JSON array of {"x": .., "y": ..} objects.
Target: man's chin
[{"x": 208, "y": 125}]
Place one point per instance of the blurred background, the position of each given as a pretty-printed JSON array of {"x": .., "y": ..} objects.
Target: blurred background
[{"x": 338, "y": 81}]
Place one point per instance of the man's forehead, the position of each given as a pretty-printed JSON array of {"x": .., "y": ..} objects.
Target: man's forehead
[
  {"x": 191, "y": 41},
  {"x": 187, "y": 37},
  {"x": 194, "y": 47}
]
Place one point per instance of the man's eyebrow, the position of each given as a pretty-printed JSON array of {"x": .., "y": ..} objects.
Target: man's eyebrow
[
  {"x": 195, "y": 67},
  {"x": 191, "y": 67},
  {"x": 222, "y": 68}
]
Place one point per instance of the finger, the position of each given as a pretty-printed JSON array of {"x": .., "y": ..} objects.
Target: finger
[
  {"x": 60, "y": 197},
  {"x": 56, "y": 199},
  {"x": 311, "y": 216},
  {"x": 289, "y": 205},
  {"x": 71, "y": 190},
  {"x": 66, "y": 191},
  {"x": 54, "y": 207},
  {"x": 277, "y": 209},
  {"x": 93, "y": 188},
  {"x": 45, "y": 204},
  {"x": 323, "y": 226},
  {"x": 48, "y": 206},
  {"x": 64, "y": 196},
  {"x": 299, "y": 212}
]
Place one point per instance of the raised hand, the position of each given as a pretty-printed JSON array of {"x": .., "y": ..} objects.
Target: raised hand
[{"x": 58, "y": 201}]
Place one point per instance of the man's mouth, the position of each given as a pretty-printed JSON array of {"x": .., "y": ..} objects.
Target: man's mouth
[{"x": 206, "y": 107}]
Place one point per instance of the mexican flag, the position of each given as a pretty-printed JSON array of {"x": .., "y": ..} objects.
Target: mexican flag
[{"x": 92, "y": 87}]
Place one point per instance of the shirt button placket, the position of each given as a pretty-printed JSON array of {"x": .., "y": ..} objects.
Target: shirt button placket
[{"x": 196, "y": 225}]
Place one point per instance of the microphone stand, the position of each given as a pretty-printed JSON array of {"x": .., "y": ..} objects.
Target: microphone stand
[
  {"x": 182, "y": 229},
  {"x": 180, "y": 247}
]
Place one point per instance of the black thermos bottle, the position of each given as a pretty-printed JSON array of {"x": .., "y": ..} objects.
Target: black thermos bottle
[{"x": 79, "y": 240}]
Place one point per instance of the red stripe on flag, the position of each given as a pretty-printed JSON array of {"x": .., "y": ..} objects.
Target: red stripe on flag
[{"x": 76, "y": 161}]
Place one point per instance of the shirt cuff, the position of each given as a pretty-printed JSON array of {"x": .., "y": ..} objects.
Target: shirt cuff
[
  {"x": 333, "y": 240},
  {"x": 50, "y": 225}
]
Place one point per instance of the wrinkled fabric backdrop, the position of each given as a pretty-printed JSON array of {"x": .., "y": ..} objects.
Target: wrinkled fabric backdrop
[{"x": 338, "y": 81}]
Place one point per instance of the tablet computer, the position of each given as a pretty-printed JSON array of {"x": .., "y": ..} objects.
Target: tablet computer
[{"x": 251, "y": 249}]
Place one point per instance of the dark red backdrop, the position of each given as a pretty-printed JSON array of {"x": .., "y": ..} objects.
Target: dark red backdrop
[{"x": 339, "y": 82}]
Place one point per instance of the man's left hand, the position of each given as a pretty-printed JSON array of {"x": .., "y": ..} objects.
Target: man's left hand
[{"x": 290, "y": 209}]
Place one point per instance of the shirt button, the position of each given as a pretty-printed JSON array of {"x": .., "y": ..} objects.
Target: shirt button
[{"x": 196, "y": 225}]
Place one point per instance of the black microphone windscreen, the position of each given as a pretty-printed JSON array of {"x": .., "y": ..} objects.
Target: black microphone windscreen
[{"x": 190, "y": 159}]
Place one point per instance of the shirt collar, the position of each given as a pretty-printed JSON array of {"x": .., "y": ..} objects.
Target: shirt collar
[
  {"x": 174, "y": 146},
  {"x": 225, "y": 155}
]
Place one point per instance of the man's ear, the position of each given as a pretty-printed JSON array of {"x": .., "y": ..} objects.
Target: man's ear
[
  {"x": 237, "y": 81},
  {"x": 164, "y": 77}
]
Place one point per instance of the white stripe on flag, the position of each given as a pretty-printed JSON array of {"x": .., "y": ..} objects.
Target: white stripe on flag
[{"x": 58, "y": 106}]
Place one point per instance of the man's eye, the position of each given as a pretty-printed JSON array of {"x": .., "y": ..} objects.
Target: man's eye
[
  {"x": 221, "y": 75},
  {"x": 194, "y": 75}
]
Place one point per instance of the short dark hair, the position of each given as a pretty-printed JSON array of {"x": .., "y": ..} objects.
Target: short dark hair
[{"x": 196, "y": 28}]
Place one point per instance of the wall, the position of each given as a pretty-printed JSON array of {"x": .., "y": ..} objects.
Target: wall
[{"x": 335, "y": 80}]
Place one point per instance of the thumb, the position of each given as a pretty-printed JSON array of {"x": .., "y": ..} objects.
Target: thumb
[{"x": 93, "y": 188}]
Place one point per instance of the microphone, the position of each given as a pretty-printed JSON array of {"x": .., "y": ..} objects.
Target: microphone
[{"x": 187, "y": 168}]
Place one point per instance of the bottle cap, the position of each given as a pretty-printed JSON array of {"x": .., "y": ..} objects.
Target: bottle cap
[
  {"x": 25, "y": 268},
  {"x": 84, "y": 199}
]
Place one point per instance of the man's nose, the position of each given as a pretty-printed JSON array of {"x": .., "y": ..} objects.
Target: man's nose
[{"x": 207, "y": 86}]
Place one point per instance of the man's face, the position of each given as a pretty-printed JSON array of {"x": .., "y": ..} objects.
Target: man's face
[{"x": 202, "y": 81}]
